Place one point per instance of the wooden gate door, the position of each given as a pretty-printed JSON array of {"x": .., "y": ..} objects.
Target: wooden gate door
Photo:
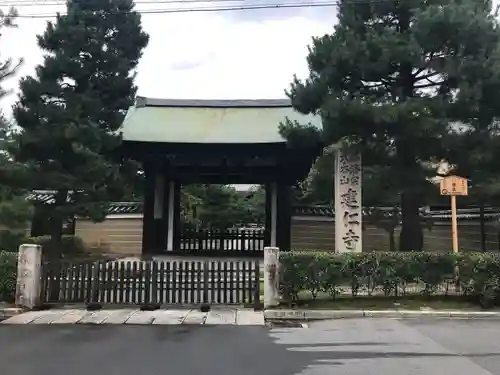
[{"x": 231, "y": 282}]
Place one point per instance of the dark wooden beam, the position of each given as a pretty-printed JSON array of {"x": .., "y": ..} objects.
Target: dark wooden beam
[
  {"x": 267, "y": 216},
  {"x": 284, "y": 217},
  {"x": 177, "y": 216},
  {"x": 217, "y": 178},
  {"x": 141, "y": 149},
  {"x": 148, "y": 225},
  {"x": 165, "y": 208}
]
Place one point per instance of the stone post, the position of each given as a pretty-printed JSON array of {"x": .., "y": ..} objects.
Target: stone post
[
  {"x": 271, "y": 276},
  {"x": 29, "y": 272}
]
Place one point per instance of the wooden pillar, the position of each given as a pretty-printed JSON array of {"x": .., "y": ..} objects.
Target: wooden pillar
[
  {"x": 177, "y": 216},
  {"x": 284, "y": 217},
  {"x": 39, "y": 222},
  {"x": 158, "y": 213},
  {"x": 267, "y": 221},
  {"x": 166, "y": 193},
  {"x": 148, "y": 230},
  {"x": 167, "y": 213}
]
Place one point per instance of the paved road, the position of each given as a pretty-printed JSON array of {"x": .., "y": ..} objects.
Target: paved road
[
  {"x": 348, "y": 347},
  {"x": 369, "y": 346},
  {"x": 134, "y": 350}
]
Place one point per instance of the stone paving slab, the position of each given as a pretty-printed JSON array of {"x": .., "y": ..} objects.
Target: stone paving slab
[
  {"x": 217, "y": 317},
  {"x": 95, "y": 317},
  {"x": 195, "y": 317},
  {"x": 142, "y": 317},
  {"x": 8, "y": 311},
  {"x": 170, "y": 316},
  {"x": 248, "y": 317},
  {"x": 72, "y": 317},
  {"x": 48, "y": 317},
  {"x": 135, "y": 316},
  {"x": 24, "y": 318},
  {"x": 120, "y": 316}
]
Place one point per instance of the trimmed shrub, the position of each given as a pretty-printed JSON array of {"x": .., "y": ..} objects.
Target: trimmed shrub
[
  {"x": 11, "y": 240},
  {"x": 72, "y": 246},
  {"x": 476, "y": 275},
  {"x": 8, "y": 272}
]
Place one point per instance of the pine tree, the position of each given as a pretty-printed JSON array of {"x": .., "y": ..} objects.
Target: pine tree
[
  {"x": 384, "y": 82},
  {"x": 15, "y": 210},
  {"x": 68, "y": 111},
  {"x": 7, "y": 67},
  {"x": 473, "y": 141}
]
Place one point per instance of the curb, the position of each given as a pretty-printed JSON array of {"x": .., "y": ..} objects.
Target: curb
[
  {"x": 305, "y": 315},
  {"x": 8, "y": 312}
]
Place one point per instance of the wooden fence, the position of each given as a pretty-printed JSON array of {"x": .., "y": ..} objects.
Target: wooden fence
[
  {"x": 230, "y": 241},
  {"x": 153, "y": 282}
]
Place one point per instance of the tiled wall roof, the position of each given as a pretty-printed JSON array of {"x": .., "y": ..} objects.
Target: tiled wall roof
[
  {"x": 491, "y": 213},
  {"x": 125, "y": 208},
  {"x": 47, "y": 197}
]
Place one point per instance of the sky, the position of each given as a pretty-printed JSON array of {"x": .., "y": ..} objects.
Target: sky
[{"x": 244, "y": 54}]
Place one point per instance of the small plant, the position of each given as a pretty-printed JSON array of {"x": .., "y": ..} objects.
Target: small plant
[
  {"x": 71, "y": 246},
  {"x": 8, "y": 272}
]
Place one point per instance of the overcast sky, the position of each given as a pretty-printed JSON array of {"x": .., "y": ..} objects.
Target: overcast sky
[
  {"x": 234, "y": 55},
  {"x": 225, "y": 55}
]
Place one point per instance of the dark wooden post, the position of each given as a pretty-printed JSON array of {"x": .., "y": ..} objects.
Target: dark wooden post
[
  {"x": 267, "y": 220},
  {"x": 177, "y": 216},
  {"x": 159, "y": 213},
  {"x": 284, "y": 217},
  {"x": 482, "y": 227},
  {"x": 166, "y": 204},
  {"x": 148, "y": 230}
]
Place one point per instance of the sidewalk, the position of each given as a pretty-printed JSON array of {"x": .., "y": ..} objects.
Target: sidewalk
[
  {"x": 7, "y": 311},
  {"x": 304, "y": 315},
  {"x": 136, "y": 316},
  {"x": 217, "y": 316}
]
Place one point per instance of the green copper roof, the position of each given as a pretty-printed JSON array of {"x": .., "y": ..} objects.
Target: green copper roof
[{"x": 209, "y": 121}]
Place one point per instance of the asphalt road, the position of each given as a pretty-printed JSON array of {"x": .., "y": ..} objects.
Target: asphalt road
[{"x": 351, "y": 347}]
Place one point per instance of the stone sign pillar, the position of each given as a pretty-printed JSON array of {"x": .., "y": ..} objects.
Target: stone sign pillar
[
  {"x": 348, "y": 205},
  {"x": 29, "y": 272},
  {"x": 271, "y": 276}
]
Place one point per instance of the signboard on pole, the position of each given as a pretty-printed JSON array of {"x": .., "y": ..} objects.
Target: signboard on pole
[{"x": 453, "y": 186}]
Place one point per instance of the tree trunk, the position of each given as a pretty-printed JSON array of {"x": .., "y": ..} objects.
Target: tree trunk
[
  {"x": 482, "y": 227},
  {"x": 411, "y": 237},
  {"x": 54, "y": 252},
  {"x": 392, "y": 241},
  {"x": 38, "y": 223},
  {"x": 54, "y": 256}
]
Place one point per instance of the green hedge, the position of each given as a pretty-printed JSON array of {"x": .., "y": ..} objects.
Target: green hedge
[
  {"x": 11, "y": 240},
  {"x": 72, "y": 246},
  {"x": 476, "y": 275},
  {"x": 8, "y": 272}
]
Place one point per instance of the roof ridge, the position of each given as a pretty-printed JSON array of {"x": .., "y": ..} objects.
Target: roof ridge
[{"x": 142, "y": 101}]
